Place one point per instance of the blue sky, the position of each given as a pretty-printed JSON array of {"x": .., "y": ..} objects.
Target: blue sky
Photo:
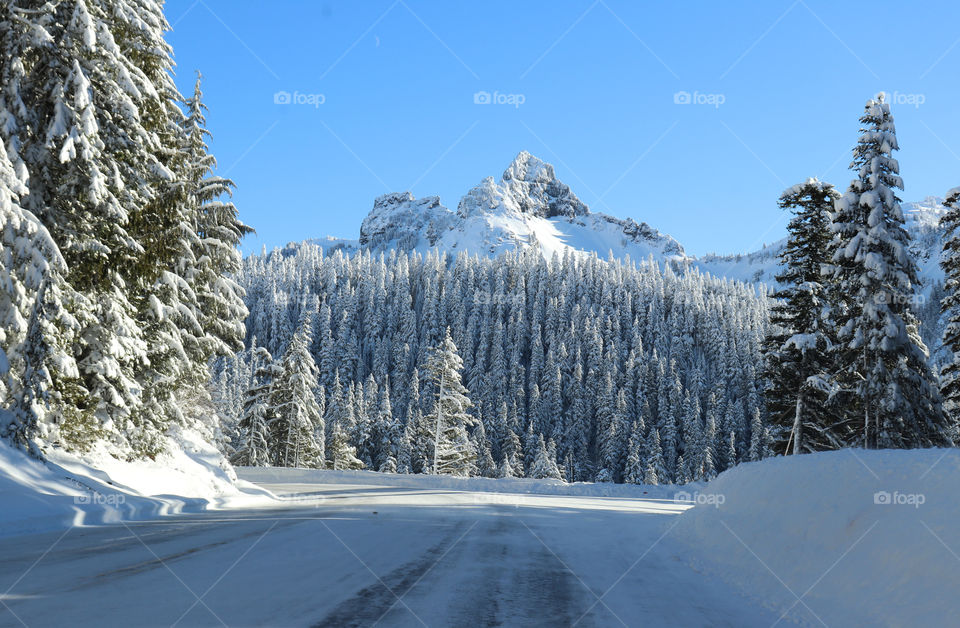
[{"x": 383, "y": 99}]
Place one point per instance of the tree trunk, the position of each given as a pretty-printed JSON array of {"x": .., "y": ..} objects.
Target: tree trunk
[{"x": 797, "y": 429}]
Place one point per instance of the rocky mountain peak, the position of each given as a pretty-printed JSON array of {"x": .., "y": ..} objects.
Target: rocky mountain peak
[
  {"x": 535, "y": 189},
  {"x": 403, "y": 220},
  {"x": 528, "y": 206}
]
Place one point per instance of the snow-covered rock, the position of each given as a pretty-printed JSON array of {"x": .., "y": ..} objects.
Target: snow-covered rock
[
  {"x": 528, "y": 206},
  {"x": 400, "y": 221},
  {"x": 535, "y": 189}
]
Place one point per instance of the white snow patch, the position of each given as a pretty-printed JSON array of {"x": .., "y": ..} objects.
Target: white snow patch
[
  {"x": 519, "y": 486},
  {"x": 862, "y": 537},
  {"x": 95, "y": 488}
]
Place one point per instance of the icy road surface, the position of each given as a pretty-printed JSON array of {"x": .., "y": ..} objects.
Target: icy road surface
[{"x": 361, "y": 555}]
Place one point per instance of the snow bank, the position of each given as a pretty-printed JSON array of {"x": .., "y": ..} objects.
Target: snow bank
[
  {"x": 95, "y": 488},
  {"x": 862, "y": 537}
]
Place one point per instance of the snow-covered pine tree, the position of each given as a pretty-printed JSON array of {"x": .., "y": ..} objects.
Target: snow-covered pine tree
[
  {"x": 656, "y": 471},
  {"x": 90, "y": 111},
  {"x": 708, "y": 468},
  {"x": 297, "y": 417},
  {"x": 577, "y": 437},
  {"x": 631, "y": 316},
  {"x": 419, "y": 433},
  {"x": 404, "y": 461},
  {"x": 219, "y": 231},
  {"x": 340, "y": 454},
  {"x": 486, "y": 467},
  {"x": 608, "y": 418},
  {"x": 38, "y": 377},
  {"x": 338, "y": 409},
  {"x": 635, "y": 467},
  {"x": 174, "y": 379},
  {"x": 365, "y": 412},
  {"x": 732, "y": 449},
  {"x": 511, "y": 464},
  {"x": 453, "y": 453},
  {"x": 544, "y": 466},
  {"x": 950, "y": 305},
  {"x": 757, "y": 438},
  {"x": 254, "y": 426},
  {"x": 85, "y": 148},
  {"x": 797, "y": 349},
  {"x": 386, "y": 433},
  {"x": 880, "y": 360},
  {"x": 693, "y": 437}
]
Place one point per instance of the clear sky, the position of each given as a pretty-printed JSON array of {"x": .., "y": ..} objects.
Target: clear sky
[{"x": 382, "y": 98}]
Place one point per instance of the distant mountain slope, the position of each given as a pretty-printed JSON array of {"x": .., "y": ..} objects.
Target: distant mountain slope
[{"x": 922, "y": 221}]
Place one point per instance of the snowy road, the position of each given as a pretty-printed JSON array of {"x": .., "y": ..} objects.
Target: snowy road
[{"x": 355, "y": 555}]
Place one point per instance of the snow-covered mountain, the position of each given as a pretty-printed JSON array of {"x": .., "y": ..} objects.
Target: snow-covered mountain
[{"x": 528, "y": 206}]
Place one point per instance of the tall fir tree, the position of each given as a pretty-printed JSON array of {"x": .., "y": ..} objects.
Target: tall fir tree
[
  {"x": 85, "y": 146},
  {"x": 90, "y": 118},
  {"x": 635, "y": 467},
  {"x": 656, "y": 471},
  {"x": 254, "y": 426},
  {"x": 38, "y": 376},
  {"x": 219, "y": 231},
  {"x": 797, "y": 349},
  {"x": 453, "y": 452},
  {"x": 297, "y": 417},
  {"x": 880, "y": 360}
]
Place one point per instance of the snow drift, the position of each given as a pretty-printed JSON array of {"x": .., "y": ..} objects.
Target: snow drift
[
  {"x": 861, "y": 537},
  {"x": 95, "y": 488}
]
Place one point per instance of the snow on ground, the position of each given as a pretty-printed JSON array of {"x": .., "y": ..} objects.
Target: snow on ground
[
  {"x": 346, "y": 549},
  {"x": 860, "y": 537},
  {"x": 840, "y": 538},
  {"x": 519, "y": 486},
  {"x": 72, "y": 490}
]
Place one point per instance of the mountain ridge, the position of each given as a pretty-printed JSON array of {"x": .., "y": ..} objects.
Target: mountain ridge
[{"x": 530, "y": 206}]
